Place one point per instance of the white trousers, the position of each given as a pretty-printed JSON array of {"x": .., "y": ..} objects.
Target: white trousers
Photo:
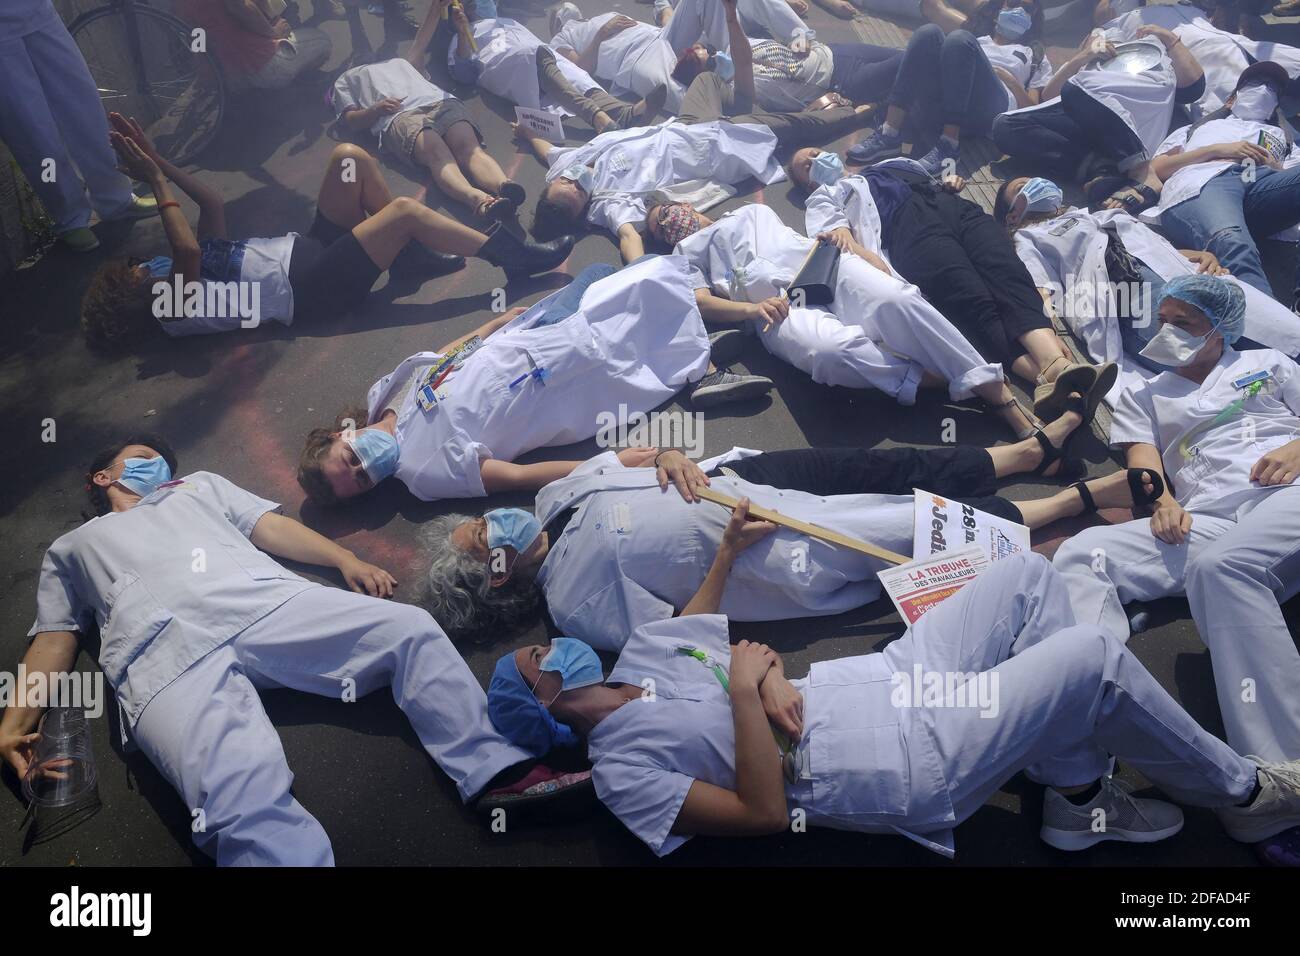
[
  {"x": 208, "y": 734},
  {"x": 1067, "y": 697},
  {"x": 50, "y": 111},
  {"x": 879, "y": 332},
  {"x": 1233, "y": 573}
]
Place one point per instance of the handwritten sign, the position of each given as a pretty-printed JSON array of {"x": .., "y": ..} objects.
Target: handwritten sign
[{"x": 546, "y": 125}]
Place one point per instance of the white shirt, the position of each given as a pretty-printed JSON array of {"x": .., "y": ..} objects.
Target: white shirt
[
  {"x": 507, "y": 51},
  {"x": 748, "y": 255},
  {"x": 1211, "y": 467},
  {"x": 1018, "y": 60},
  {"x": 1067, "y": 254},
  {"x": 634, "y": 553},
  {"x": 1222, "y": 55},
  {"x": 263, "y": 266},
  {"x": 631, "y": 165},
  {"x": 167, "y": 582},
  {"x": 1188, "y": 181},
  {"x": 603, "y": 356},
  {"x": 363, "y": 86},
  {"x": 845, "y": 204},
  {"x": 864, "y": 764},
  {"x": 617, "y": 55}
]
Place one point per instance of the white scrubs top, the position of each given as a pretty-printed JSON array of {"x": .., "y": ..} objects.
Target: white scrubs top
[
  {"x": 1067, "y": 255},
  {"x": 364, "y": 86},
  {"x": 1187, "y": 182},
  {"x": 507, "y": 51},
  {"x": 635, "y": 340},
  {"x": 1018, "y": 60},
  {"x": 675, "y": 158},
  {"x": 846, "y": 204},
  {"x": 254, "y": 264},
  {"x": 621, "y": 52},
  {"x": 634, "y": 553},
  {"x": 864, "y": 764},
  {"x": 1222, "y": 55},
  {"x": 137, "y": 575},
  {"x": 1211, "y": 468}
]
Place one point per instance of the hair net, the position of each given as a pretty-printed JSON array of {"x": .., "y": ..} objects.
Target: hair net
[
  {"x": 519, "y": 716},
  {"x": 1223, "y": 302}
]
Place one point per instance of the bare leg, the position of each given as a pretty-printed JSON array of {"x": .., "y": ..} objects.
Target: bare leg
[
  {"x": 1047, "y": 353},
  {"x": 474, "y": 159},
  {"x": 1003, "y": 400},
  {"x": 1026, "y": 454},
  {"x": 432, "y": 153},
  {"x": 948, "y": 17},
  {"x": 384, "y": 234},
  {"x": 352, "y": 188},
  {"x": 1112, "y": 491}
]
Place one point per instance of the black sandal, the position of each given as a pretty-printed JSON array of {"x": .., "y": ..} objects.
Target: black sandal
[
  {"x": 1070, "y": 467},
  {"x": 1134, "y": 478}
]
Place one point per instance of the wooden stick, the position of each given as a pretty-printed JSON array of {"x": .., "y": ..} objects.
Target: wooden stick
[
  {"x": 803, "y": 527},
  {"x": 464, "y": 32}
]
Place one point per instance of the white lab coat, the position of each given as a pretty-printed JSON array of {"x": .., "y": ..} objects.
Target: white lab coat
[
  {"x": 878, "y": 332},
  {"x": 507, "y": 51},
  {"x": 1143, "y": 101},
  {"x": 635, "y": 340},
  {"x": 847, "y": 204},
  {"x": 1067, "y": 254},
  {"x": 609, "y": 571},
  {"x": 702, "y": 162},
  {"x": 1222, "y": 55}
]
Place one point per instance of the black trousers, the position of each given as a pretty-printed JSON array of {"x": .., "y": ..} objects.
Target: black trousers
[
  {"x": 961, "y": 472},
  {"x": 965, "y": 264}
]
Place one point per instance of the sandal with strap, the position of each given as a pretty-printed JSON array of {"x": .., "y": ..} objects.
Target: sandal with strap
[
  {"x": 1035, "y": 423},
  {"x": 1050, "y": 398},
  {"x": 1134, "y": 477},
  {"x": 1070, "y": 467}
]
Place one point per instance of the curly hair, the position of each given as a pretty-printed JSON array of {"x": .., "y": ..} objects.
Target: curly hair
[
  {"x": 319, "y": 441},
  {"x": 108, "y": 454},
  {"x": 458, "y": 592},
  {"x": 117, "y": 307}
]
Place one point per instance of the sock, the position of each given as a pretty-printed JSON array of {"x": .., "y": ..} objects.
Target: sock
[
  {"x": 889, "y": 131},
  {"x": 1254, "y": 794},
  {"x": 1084, "y": 797}
]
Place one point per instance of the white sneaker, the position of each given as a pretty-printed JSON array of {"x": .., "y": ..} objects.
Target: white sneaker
[
  {"x": 1114, "y": 814},
  {"x": 1277, "y": 807}
]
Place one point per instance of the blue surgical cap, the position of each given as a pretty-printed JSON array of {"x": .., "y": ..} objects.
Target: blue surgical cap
[
  {"x": 1223, "y": 302},
  {"x": 519, "y": 716}
]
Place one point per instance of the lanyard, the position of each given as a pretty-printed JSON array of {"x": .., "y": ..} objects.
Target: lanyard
[
  {"x": 1184, "y": 443},
  {"x": 789, "y": 762}
]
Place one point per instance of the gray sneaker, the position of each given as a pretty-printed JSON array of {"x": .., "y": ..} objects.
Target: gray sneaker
[
  {"x": 719, "y": 387},
  {"x": 1277, "y": 807},
  {"x": 725, "y": 346},
  {"x": 1115, "y": 814}
]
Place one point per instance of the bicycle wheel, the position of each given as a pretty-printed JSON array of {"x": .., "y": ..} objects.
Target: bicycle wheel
[{"x": 177, "y": 95}]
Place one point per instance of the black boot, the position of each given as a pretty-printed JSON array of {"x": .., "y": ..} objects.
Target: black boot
[
  {"x": 417, "y": 262},
  {"x": 522, "y": 256}
]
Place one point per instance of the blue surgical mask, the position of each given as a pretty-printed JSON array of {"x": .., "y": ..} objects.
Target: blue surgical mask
[
  {"x": 584, "y": 176},
  {"x": 144, "y": 475},
  {"x": 1042, "y": 195},
  {"x": 575, "y": 662},
  {"x": 485, "y": 9},
  {"x": 513, "y": 527},
  {"x": 1014, "y": 22},
  {"x": 827, "y": 169},
  {"x": 159, "y": 266},
  {"x": 378, "y": 452},
  {"x": 723, "y": 65}
]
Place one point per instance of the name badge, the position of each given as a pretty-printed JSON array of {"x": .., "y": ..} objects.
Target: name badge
[
  {"x": 1246, "y": 381},
  {"x": 428, "y": 397}
]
